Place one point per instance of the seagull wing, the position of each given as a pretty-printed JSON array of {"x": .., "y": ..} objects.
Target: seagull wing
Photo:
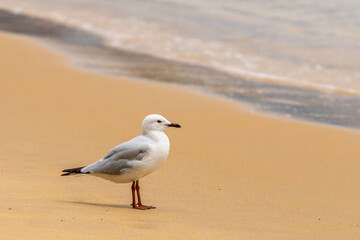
[{"x": 118, "y": 159}]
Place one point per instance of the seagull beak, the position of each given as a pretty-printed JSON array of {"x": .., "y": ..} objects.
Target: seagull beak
[{"x": 174, "y": 125}]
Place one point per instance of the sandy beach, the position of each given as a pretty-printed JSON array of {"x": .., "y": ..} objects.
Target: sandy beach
[{"x": 231, "y": 174}]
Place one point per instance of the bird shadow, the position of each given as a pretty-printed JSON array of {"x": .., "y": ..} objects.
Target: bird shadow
[{"x": 99, "y": 204}]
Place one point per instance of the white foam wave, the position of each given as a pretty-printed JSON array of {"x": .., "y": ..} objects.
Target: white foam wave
[{"x": 138, "y": 35}]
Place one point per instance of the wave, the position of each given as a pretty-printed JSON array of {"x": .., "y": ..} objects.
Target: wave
[
  {"x": 144, "y": 34},
  {"x": 92, "y": 53}
]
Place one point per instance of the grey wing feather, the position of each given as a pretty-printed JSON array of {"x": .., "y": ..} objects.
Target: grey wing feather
[{"x": 119, "y": 157}]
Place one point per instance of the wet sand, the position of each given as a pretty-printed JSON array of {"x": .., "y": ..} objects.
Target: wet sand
[
  {"x": 230, "y": 174},
  {"x": 92, "y": 52}
]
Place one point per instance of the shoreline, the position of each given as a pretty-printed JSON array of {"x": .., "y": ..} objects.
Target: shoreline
[
  {"x": 230, "y": 174},
  {"x": 71, "y": 62},
  {"x": 58, "y": 18},
  {"x": 264, "y": 97}
]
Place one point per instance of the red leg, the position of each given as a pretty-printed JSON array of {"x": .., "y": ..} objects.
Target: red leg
[
  {"x": 133, "y": 194},
  {"x": 139, "y": 204}
]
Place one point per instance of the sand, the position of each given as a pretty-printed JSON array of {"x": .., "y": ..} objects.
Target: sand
[{"x": 230, "y": 174}]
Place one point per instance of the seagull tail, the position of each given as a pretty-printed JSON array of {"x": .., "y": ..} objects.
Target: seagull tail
[{"x": 71, "y": 171}]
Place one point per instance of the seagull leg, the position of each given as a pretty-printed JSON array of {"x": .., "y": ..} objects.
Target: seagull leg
[
  {"x": 133, "y": 194},
  {"x": 139, "y": 205}
]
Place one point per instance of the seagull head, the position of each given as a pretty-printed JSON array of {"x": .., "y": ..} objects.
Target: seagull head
[{"x": 156, "y": 122}]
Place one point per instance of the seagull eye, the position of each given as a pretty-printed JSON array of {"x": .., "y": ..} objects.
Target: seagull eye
[{"x": 158, "y": 121}]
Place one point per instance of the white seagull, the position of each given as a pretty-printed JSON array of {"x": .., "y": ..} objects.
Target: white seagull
[{"x": 134, "y": 159}]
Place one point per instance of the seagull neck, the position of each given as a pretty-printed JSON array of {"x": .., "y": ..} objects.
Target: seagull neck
[{"x": 155, "y": 135}]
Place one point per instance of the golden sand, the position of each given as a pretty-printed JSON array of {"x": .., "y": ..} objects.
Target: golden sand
[{"x": 230, "y": 174}]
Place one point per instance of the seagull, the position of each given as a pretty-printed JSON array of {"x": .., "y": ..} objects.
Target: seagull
[{"x": 134, "y": 159}]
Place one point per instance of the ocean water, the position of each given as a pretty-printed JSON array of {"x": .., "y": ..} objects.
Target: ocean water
[
  {"x": 297, "y": 58},
  {"x": 303, "y": 42}
]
